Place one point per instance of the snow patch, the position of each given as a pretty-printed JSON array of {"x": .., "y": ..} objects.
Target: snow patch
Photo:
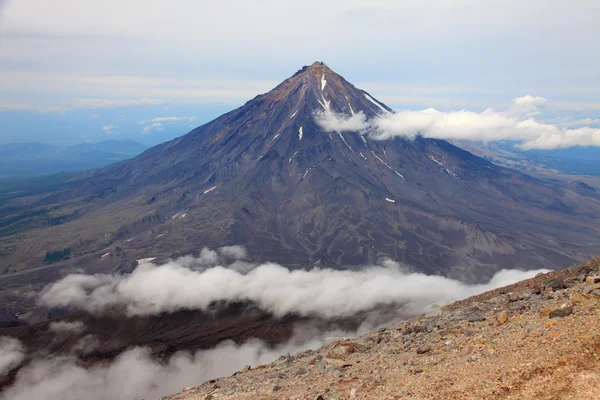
[
  {"x": 294, "y": 114},
  {"x": 209, "y": 190},
  {"x": 443, "y": 168},
  {"x": 390, "y": 200},
  {"x": 145, "y": 260},
  {"x": 346, "y": 143},
  {"x": 292, "y": 157},
  {"x": 349, "y": 105},
  {"x": 323, "y": 82},
  {"x": 300, "y": 133},
  {"x": 436, "y": 161},
  {"x": 399, "y": 174},
  {"x": 384, "y": 163},
  {"x": 104, "y": 255},
  {"x": 276, "y": 136},
  {"x": 372, "y": 100},
  {"x": 306, "y": 173},
  {"x": 161, "y": 235},
  {"x": 361, "y": 154}
]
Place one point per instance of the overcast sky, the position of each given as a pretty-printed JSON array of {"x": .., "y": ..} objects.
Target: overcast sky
[{"x": 73, "y": 70}]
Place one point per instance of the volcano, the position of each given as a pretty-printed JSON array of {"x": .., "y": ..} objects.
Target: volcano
[{"x": 269, "y": 177}]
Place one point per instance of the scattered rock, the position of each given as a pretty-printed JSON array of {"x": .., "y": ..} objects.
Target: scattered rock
[
  {"x": 321, "y": 365},
  {"x": 283, "y": 362},
  {"x": 590, "y": 280},
  {"x": 518, "y": 296},
  {"x": 415, "y": 370},
  {"x": 336, "y": 362},
  {"x": 475, "y": 316},
  {"x": 276, "y": 388},
  {"x": 343, "y": 350},
  {"x": 502, "y": 317},
  {"x": 346, "y": 384},
  {"x": 301, "y": 371},
  {"x": 561, "y": 312},
  {"x": 467, "y": 350},
  {"x": 423, "y": 349},
  {"x": 555, "y": 284},
  {"x": 414, "y": 329}
]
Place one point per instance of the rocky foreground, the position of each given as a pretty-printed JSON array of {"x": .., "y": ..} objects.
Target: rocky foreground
[{"x": 537, "y": 339}]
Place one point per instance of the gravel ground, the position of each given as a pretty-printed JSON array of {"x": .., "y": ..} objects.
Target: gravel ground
[{"x": 537, "y": 339}]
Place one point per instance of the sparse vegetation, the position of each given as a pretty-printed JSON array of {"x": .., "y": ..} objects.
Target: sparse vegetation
[{"x": 56, "y": 256}]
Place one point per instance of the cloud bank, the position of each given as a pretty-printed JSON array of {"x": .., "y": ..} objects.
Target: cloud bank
[
  {"x": 135, "y": 374},
  {"x": 11, "y": 354},
  {"x": 517, "y": 123},
  {"x": 196, "y": 284}
]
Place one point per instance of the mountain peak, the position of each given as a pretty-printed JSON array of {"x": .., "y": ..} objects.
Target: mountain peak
[
  {"x": 323, "y": 89},
  {"x": 316, "y": 68}
]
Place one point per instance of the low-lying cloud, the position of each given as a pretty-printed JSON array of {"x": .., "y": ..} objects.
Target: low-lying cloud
[
  {"x": 11, "y": 354},
  {"x": 135, "y": 374},
  {"x": 197, "y": 283},
  {"x": 65, "y": 327},
  {"x": 519, "y": 123},
  {"x": 372, "y": 296}
]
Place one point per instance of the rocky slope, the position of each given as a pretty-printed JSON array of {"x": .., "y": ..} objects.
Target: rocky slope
[
  {"x": 269, "y": 176},
  {"x": 537, "y": 339}
]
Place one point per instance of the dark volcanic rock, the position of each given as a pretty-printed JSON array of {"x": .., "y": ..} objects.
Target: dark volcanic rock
[
  {"x": 561, "y": 312},
  {"x": 269, "y": 177}
]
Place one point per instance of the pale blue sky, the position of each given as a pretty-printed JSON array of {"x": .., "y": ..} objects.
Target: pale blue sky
[{"x": 73, "y": 70}]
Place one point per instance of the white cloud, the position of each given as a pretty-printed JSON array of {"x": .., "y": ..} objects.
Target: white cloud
[
  {"x": 168, "y": 120},
  {"x": 194, "y": 283},
  {"x": 570, "y": 122},
  {"x": 157, "y": 124},
  {"x": 65, "y": 327},
  {"x": 191, "y": 284},
  {"x": 518, "y": 123},
  {"x": 234, "y": 252},
  {"x": 109, "y": 129},
  {"x": 450, "y": 44},
  {"x": 12, "y": 353},
  {"x": 14, "y": 107},
  {"x": 135, "y": 375},
  {"x": 332, "y": 122},
  {"x": 108, "y": 103}
]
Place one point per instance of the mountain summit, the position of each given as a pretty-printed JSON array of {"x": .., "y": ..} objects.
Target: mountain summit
[{"x": 269, "y": 177}]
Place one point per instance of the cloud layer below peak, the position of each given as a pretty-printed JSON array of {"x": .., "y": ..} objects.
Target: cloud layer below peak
[
  {"x": 519, "y": 123},
  {"x": 197, "y": 283}
]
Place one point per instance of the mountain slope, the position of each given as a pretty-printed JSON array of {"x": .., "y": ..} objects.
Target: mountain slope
[
  {"x": 536, "y": 339},
  {"x": 269, "y": 177}
]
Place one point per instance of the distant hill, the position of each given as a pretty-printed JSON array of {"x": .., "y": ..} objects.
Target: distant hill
[
  {"x": 21, "y": 160},
  {"x": 574, "y": 160}
]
